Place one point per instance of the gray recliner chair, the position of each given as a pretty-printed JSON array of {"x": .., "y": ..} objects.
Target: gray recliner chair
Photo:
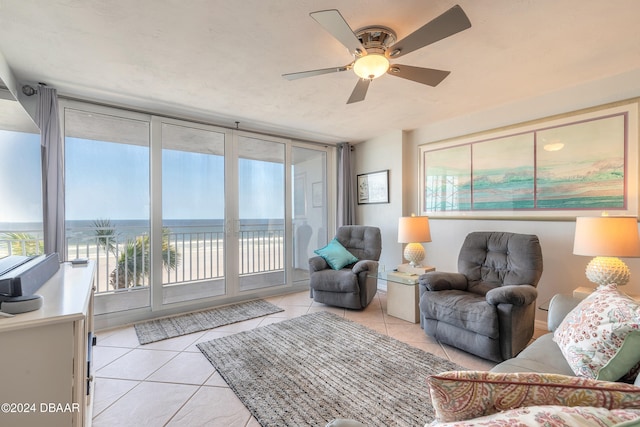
[
  {"x": 488, "y": 307},
  {"x": 352, "y": 286}
]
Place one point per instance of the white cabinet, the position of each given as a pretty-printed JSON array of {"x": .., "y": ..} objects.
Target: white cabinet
[
  {"x": 403, "y": 295},
  {"x": 45, "y": 373}
]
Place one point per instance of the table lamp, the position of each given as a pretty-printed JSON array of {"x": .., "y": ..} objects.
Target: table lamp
[
  {"x": 606, "y": 238},
  {"x": 414, "y": 230}
]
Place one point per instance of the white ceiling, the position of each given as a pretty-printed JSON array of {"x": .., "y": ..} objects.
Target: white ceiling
[{"x": 222, "y": 60}]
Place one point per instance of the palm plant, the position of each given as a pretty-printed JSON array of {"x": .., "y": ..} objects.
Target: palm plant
[
  {"x": 134, "y": 261},
  {"x": 106, "y": 235},
  {"x": 24, "y": 243},
  {"x": 133, "y": 264}
]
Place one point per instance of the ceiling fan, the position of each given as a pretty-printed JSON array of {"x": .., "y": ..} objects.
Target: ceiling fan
[{"x": 373, "y": 47}]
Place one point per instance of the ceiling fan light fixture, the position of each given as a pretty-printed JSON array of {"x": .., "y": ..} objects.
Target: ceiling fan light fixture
[
  {"x": 371, "y": 66},
  {"x": 373, "y": 46}
]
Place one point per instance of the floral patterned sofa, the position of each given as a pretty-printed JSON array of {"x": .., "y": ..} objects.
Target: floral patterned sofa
[{"x": 579, "y": 374}]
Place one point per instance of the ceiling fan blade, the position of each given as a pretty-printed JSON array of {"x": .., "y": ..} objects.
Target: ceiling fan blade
[
  {"x": 426, "y": 76},
  {"x": 360, "y": 91},
  {"x": 332, "y": 21},
  {"x": 311, "y": 73},
  {"x": 449, "y": 23}
]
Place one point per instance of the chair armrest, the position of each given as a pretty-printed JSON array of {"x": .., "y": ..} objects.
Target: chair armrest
[
  {"x": 317, "y": 263},
  {"x": 365, "y": 265},
  {"x": 559, "y": 307},
  {"x": 442, "y": 281},
  {"x": 520, "y": 295}
]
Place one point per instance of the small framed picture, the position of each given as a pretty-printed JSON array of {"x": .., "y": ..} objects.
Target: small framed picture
[{"x": 373, "y": 187}]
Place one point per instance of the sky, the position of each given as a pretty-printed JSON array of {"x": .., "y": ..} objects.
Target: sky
[
  {"x": 20, "y": 177},
  {"x": 110, "y": 180}
]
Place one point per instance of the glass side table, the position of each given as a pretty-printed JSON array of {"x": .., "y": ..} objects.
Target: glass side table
[
  {"x": 545, "y": 305},
  {"x": 402, "y": 294}
]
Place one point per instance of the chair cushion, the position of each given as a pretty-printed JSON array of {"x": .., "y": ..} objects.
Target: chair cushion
[
  {"x": 492, "y": 259},
  {"x": 461, "y": 309},
  {"x": 363, "y": 241},
  {"x": 600, "y": 338},
  {"x": 336, "y": 255},
  {"x": 335, "y": 281},
  {"x": 543, "y": 355}
]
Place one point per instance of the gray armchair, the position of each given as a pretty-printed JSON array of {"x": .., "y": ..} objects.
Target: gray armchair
[
  {"x": 351, "y": 286},
  {"x": 488, "y": 307}
]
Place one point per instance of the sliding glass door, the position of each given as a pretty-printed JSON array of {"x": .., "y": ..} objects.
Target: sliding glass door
[
  {"x": 176, "y": 213},
  {"x": 21, "y": 229},
  {"x": 193, "y": 212},
  {"x": 309, "y": 206},
  {"x": 108, "y": 205},
  {"x": 260, "y": 226}
]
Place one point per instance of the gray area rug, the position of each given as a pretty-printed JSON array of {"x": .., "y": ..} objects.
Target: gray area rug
[
  {"x": 314, "y": 368},
  {"x": 170, "y": 327}
]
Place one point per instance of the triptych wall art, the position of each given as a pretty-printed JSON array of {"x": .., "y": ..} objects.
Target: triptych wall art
[{"x": 577, "y": 165}]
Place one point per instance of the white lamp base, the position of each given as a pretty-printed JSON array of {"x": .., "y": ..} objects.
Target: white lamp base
[
  {"x": 605, "y": 270},
  {"x": 414, "y": 253}
]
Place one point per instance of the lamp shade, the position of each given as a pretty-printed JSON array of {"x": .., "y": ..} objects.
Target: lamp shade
[
  {"x": 371, "y": 66},
  {"x": 608, "y": 236},
  {"x": 414, "y": 229}
]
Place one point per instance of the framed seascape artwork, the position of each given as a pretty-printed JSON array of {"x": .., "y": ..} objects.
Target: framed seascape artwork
[
  {"x": 578, "y": 165},
  {"x": 373, "y": 187}
]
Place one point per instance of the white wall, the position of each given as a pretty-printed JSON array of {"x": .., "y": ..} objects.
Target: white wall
[
  {"x": 384, "y": 152},
  {"x": 563, "y": 271}
]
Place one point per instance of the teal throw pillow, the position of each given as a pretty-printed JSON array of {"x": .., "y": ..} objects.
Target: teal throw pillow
[{"x": 336, "y": 255}]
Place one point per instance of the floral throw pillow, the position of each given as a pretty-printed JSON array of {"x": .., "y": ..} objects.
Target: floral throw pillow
[{"x": 600, "y": 338}]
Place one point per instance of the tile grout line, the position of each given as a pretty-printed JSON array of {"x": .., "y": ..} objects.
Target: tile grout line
[
  {"x": 182, "y": 406},
  {"x": 376, "y": 314},
  {"x": 119, "y": 398}
]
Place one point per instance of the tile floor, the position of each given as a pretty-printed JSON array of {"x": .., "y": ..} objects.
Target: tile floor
[{"x": 170, "y": 383}]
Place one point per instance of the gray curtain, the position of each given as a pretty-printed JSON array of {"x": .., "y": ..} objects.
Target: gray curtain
[
  {"x": 346, "y": 214},
  {"x": 47, "y": 118}
]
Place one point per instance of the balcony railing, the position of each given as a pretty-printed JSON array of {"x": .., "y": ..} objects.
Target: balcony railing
[
  {"x": 189, "y": 254},
  {"x": 23, "y": 243}
]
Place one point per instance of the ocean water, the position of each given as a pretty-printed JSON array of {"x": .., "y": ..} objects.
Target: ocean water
[{"x": 86, "y": 228}]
